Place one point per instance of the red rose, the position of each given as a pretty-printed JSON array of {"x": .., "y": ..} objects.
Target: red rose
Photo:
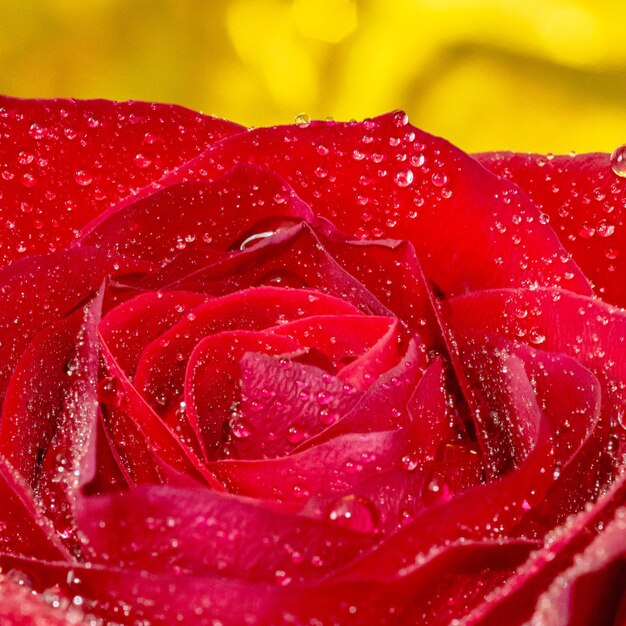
[{"x": 331, "y": 373}]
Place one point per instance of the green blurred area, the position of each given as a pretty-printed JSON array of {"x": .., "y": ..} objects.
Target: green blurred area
[{"x": 541, "y": 75}]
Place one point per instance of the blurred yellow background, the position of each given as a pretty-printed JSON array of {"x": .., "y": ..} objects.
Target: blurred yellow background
[{"x": 542, "y": 75}]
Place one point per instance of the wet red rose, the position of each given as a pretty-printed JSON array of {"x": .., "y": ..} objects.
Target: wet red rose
[{"x": 322, "y": 374}]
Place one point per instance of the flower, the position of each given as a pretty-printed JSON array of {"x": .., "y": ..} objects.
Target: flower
[{"x": 328, "y": 373}]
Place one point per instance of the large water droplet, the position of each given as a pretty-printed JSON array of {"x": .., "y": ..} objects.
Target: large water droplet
[
  {"x": 240, "y": 427},
  {"x": 261, "y": 231},
  {"x": 356, "y": 513},
  {"x": 618, "y": 161},
  {"x": 302, "y": 120},
  {"x": 404, "y": 177}
]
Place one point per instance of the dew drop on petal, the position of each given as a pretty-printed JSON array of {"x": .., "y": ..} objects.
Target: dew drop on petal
[
  {"x": 142, "y": 161},
  {"x": 356, "y": 513},
  {"x": 302, "y": 120},
  {"x": 295, "y": 435},
  {"x": 240, "y": 428},
  {"x": 618, "y": 161},
  {"x": 83, "y": 178},
  {"x": 400, "y": 118},
  {"x": 439, "y": 179},
  {"x": 324, "y": 398},
  {"x": 409, "y": 462},
  {"x": 404, "y": 177}
]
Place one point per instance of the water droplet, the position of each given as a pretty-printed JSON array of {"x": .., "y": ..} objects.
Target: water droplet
[
  {"x": 240, "y": 428},
  {"x": 28, "y": 180},
  {"x": 302, "y": 120},
  {"x": 586, "y": 231},
  {"x": 324, "y": 398},
  {"x": 142, "y": 161},
  {"x": 618, "y": 161},
  {"x": 83, "y": 178},
  {"x": 536, "y": 336},
  {"x": 404, "y": 177},
  {"x": 282, "y": 578},
  {"x": 295, "y": 435},
  {"x": 356, "y": 513},
  {"x": 439, "y": 179},
  {"x": 400, "y": 118},
  {"x": 409, "y": 462},
  {"x": 327, "y": 417},
  {"x": 256, "y": 238},
  {"x": 37, "y": 132}
]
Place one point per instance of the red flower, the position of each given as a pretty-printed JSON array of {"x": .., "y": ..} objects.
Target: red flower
[{"x": 334, "y": 373}]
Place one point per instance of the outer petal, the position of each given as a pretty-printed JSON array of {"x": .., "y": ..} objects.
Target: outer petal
[
  {"x": 517, "y": 596},
  {"x": 200, "y": 600},
  {"x": 24, "y": 528},
  {"x": 161, "y": 529},
  {"x": 592, "y": 590},
  {"x": 470, "y": 229},
  {"x": 585, "y": 202},
  {"x": 62, "y": 162},
  {"x": 43, "y": 290}
]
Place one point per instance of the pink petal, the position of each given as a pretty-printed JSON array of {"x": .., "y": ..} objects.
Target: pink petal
[
  {"x": 160, "y": 529},
  {"x": 284, "y": 403},
  {"x": 213, "y": 387}
]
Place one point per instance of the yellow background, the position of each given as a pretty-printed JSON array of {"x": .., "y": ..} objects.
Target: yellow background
[{"x": 543, "y": 75}]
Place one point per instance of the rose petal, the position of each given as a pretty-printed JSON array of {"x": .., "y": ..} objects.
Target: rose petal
[
  {"x": 142, "y": 440},
  {"x": 64, "y": 161},
  {"x": 391, "y": 271},
  {"x": 284, "y": 403},
  {"x": 329, "y": 334},
  {"x": 212, "y": 384},
  {"x": 432, "y": 418},
  {"x": 423, "y": 590},
  {"x": 197, "y": 531},
  {"x": 236, "y": 211},
  {"x": 592, "y": 589},
  {"x": 585, "y": 202},
  {"x": 518, "y": 595},
  {"x": 161, "y": 369},
  {"x": 131, "y": 326},
  {"x": 24, "y": 529},
  {"x": 384, "y": 405},
  {"x": 294, "y": 257},
  {"x": 69, "y": 462},
  {"x": 333, "y": 466},
  {"x": 43, "y": 290},
  {"x": 588, "y": 330},
  {"x": 412, "y": 183}
]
